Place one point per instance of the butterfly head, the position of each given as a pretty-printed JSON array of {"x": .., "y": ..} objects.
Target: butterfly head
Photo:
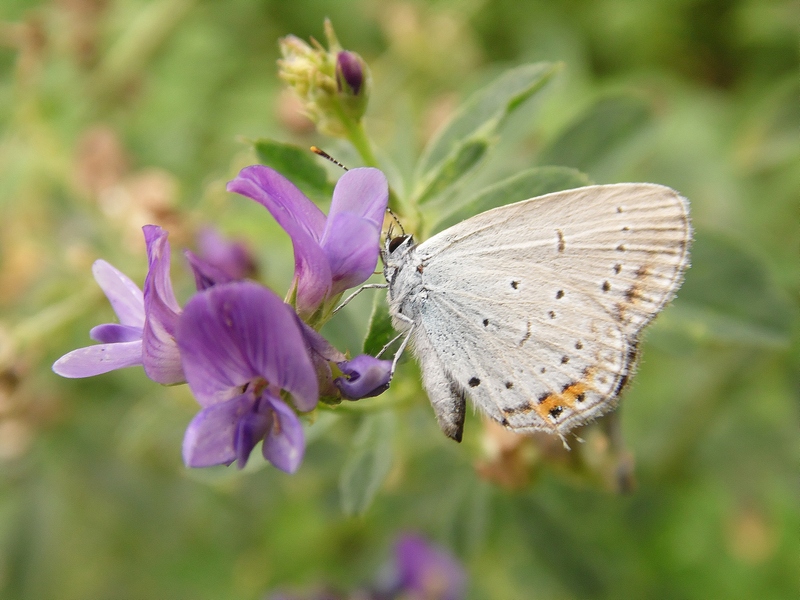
[{"x": 395, "y": 253}]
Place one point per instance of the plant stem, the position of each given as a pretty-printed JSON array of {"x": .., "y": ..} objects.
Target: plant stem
[{"x": 358, "y": 137}]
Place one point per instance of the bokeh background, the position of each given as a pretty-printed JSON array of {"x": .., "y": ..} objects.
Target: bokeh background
[{"x": 118, "y": 113}]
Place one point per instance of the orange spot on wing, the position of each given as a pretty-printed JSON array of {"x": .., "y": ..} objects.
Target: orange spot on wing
[{"x": 571, "y": 395}]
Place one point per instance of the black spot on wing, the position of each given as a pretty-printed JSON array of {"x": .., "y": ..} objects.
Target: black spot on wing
[{"x": 527, "y": 335}]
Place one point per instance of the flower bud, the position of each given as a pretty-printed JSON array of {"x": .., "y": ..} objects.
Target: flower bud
[
  {"x": 352, "y": 81},
  {"x": 349, "y": 73},
  {"x": 332, "y": 84},
  {"x": 364, "y": 377}
]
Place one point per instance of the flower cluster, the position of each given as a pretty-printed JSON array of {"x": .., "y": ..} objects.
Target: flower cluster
[
  {"x": 333, "y": 85},
  {"x": 251, "y": 360}
]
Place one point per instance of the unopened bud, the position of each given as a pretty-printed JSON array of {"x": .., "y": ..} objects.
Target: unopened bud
[{"x": 332, "y": 84}]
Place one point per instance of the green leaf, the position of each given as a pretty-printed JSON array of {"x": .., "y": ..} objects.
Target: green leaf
[
  {"x": 368, "y": 463},
  {"x": 528, "y": 184},
  {"x": 453, "y": 168},
  {"x": 380, "y": 329},
  {"x": 605, "y": 125},
  {"x": 298, "y": 165},
  {"x": 460, "y": 145},
  {"x": 729, "y": 296}
]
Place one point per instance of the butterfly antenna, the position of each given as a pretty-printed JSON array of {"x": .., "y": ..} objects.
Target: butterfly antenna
[
  {"x": 324, "y": 154},
  {"x": 396, "y": 220}
]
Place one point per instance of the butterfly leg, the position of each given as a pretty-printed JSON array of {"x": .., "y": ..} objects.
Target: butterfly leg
[
  {"x": 369, "y": 286},
  {"x": 400, "y": 351},
  {"x": 389, "y": 343}
]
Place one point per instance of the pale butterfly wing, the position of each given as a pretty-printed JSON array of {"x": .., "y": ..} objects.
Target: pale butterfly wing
[{"x": 533, "y": 310}]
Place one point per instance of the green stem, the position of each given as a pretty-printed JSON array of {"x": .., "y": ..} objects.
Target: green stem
[{"x": 357, "y": 136}]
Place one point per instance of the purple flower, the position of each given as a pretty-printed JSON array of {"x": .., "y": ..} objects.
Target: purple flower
[
  {"x": 427, "y": 571},
  {"x": 331, "y": 254},
  {"x": 145, "y": 332},
  {"x": 240, "y": 346},
  {"x": 365, "y": 377}
]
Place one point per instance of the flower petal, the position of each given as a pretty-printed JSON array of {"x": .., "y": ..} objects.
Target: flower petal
[
  {"x": 352, "y": 245},
  {"x": 250, "y": 430},
  {"x": 367, "y": 376},
  {"x": 98, "y": 359},
  {"x": 285, "y": 443},
  {"x": 125, "y": 296},
  {"x": 322, "y": 353},
  {"x": 162, "y": 361},
  {"x": 235, "y": 332},
  {"x": 317, "y": 344},
  {"x": 363, "y": 191},
  {"x": 206, "y": 274},
  {"x": 111, "y": 333},
  {"x": 209, "y": 440},
  {"x": 301, "y": 219},
  {"x": 287, "y": 204},
  {"x": 232, "y": 257}
]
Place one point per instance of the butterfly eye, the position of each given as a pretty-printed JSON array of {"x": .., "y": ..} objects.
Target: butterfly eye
[{"x": 395, "y": 242}]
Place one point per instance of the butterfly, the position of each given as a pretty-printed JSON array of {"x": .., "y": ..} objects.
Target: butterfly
[{"x": 533, "y": 310}]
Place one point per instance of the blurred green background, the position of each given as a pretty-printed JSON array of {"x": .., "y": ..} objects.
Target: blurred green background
[{"x": 117, "y": 113}]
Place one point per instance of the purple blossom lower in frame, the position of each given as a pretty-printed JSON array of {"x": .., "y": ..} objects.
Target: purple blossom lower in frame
[
  {"x": 420, "y": 571},
  {"x": 242, "y": 350},
  {"x": 427, "y": 571},
  {"x": 331, "y": 253}
]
